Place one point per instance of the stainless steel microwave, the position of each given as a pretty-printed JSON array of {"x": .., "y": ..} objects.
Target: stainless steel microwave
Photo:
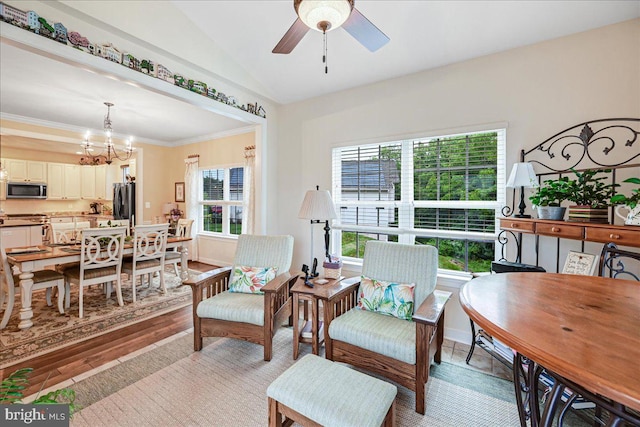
[{"x": 26, "y": 190}]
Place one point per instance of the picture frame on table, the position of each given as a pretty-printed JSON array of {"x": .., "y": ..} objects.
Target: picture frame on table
[
  {"x": 179, "y": 191},
  {"x": 580, "y": 263}
]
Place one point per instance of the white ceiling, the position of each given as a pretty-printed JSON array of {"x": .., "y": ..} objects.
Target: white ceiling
[{"x": 424, "y": 35}]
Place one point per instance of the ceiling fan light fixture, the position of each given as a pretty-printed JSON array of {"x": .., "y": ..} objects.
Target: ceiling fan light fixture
[{"x": 324, "y": 15}]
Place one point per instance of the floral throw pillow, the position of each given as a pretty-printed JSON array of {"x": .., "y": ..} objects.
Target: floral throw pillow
[
  {"x": 393, "y": 299},
  {"x": 250, "y": 280}
]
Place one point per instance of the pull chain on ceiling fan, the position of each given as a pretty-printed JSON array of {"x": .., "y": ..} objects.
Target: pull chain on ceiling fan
[{"x": 325, "y": 16}]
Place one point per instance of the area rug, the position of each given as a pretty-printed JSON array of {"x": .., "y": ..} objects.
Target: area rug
[
  {"x": 52, "y": 330},
  {"x": 225, "y": 385}
]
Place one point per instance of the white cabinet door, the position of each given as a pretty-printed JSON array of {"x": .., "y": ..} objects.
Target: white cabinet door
[
  {"x": 17, "y": 170},
  {"x": 55, "y": 181},
  {"x": 101, "y": 182},
  {"x": 21, "y": 236},
  {"x": 26, "y": 171},
  {"x": 88, "y": 182},
  {"x": 72, "y": 182},
  {"x": 36, "y": 171}
]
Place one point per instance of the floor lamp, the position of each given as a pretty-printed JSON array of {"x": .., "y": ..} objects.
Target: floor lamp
[
  {"x": 318, "y": 207},
  {"x": 523, "y": 176}
]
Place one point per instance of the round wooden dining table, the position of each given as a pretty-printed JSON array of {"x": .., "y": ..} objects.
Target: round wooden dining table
[{"x": 583, "y": 329}]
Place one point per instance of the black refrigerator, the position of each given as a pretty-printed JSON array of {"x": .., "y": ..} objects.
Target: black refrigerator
[{"x": 124, "y": 200}]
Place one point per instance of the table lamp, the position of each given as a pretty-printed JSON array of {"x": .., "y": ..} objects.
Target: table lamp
[
  {"x": 523, "y": 176},
  {"x": 317, "y": 207}
]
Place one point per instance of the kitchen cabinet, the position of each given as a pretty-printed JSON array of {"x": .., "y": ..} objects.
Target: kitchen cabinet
[
  {"x": 26, "y": 170},
  {"x": 63, "y": 181},
  {"x": 88, "y": 182},
  {"x": 72, "y": 181},
  {"x": 21, "y": 236},
  {"x": 101, "y": 182}
]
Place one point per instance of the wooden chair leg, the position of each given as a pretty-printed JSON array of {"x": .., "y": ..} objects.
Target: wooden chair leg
[
  {"x": 197, "y": 337},
  {"x": 390, "y": 419},
  {"x": 275, "y": 419}
]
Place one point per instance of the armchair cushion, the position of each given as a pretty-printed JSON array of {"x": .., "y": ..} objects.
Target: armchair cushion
[
  {"x": 385, "y": 335},
  {"x": 234, "y": 307},
  {"x": 393, "y": 299},
  {"x": 250, "y": 280},
  {"x": 400, "y": 263}
]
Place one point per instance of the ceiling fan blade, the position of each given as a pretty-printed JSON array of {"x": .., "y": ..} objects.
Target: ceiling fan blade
[
  {"x": 364, "y": 31},
  {"x": 291, "y": 38}
]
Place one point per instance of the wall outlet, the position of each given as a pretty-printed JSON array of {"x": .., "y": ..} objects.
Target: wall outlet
[{"x": 147, "y": 205}]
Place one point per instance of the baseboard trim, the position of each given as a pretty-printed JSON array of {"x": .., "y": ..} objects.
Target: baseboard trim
[{"x": 457, "y": 335}]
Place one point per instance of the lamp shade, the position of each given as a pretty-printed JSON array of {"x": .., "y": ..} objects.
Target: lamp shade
[
  {"x": 168, "y": 207},
  {"x": 317, "y": 204},
  {"x": 522, "y": 175},
  {"x": 314, "y": 12}
]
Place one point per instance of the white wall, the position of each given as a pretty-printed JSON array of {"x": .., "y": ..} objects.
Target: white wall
[{"x": 537, "y": 90}]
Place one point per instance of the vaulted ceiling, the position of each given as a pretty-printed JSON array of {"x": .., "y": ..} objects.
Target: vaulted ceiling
[{"x": 424, "y": 35}]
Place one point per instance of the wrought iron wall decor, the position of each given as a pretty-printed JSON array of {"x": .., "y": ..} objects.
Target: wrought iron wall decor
[
  {"x": 582, "y": 147},
  {"x": 610, "y": 144}
]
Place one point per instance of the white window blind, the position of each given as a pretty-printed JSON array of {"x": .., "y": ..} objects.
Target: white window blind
[{"x": 438, "y": 190}]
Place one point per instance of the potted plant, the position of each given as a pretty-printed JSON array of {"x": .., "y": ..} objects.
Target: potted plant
[
  {"x": 548, "y": 198},
  {"x": 12, "y": 391},
  {"x": 590, "y": 195},
  {"x": 632, "y": 203}
]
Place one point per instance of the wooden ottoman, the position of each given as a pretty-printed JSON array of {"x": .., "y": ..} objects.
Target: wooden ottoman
[{"x": 319, "y": 392}]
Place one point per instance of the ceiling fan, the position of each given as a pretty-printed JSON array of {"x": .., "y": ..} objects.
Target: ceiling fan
[{"x": 325, "y": 16}]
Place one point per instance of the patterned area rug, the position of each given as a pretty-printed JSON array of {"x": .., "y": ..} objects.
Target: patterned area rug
[
  {"x": 52, "y": 330},
  {"x": 225, "y": 385}
]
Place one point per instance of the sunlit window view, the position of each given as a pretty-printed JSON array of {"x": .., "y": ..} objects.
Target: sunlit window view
[
  {"x": 222, "y": 192},
  {"x": 440, "y": 191}
]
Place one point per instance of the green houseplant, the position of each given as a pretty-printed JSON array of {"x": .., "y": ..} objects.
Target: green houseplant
[
  {"x": 12, "y": 391},
  {"x": 632, "y": 203},
  {"x": 591, "y": 196},
  {"x": 548, "y": 198}
]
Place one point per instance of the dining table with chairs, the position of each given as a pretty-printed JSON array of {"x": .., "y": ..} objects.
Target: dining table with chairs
[{"x": 29, "y": 260}]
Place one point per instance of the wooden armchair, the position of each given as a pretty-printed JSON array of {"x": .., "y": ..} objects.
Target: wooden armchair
[
  {"x": 250, "y": 317},
  {"x": 398, "y": 349}
]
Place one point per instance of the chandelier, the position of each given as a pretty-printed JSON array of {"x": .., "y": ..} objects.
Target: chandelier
[{"x": 110, "y": 152}]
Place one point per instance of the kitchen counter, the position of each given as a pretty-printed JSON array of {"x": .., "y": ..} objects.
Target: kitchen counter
[{"x": 19, "y": 223}]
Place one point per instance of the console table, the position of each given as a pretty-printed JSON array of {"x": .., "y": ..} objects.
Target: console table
[{"x": 623, "y": 235}]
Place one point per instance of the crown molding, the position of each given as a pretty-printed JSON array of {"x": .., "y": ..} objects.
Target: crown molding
[
  {"x": 217, "y": 135},
  {"x": 65, "y": 127},
  {"x": 80, "y": 130}
]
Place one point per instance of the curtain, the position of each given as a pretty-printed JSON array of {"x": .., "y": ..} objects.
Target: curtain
[
  {"x": 248, "y": 194},
  {"x": 192, "y": 210}
]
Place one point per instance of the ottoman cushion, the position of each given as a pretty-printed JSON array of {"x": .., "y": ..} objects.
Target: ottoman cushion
[{"x": 332, "y": 394}]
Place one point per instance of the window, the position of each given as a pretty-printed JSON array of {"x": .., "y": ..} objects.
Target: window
[
  {"x": 221, "y": 200},
  {"x": 440, "y": 191}
]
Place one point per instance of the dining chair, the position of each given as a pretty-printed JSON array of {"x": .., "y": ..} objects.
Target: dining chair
[
  {"x": 174, "y": 256},
  {"x": 44, "y": 279},
  {"x": 100, "y": 262},
  {"x": 114, "y": 223},
  {"x": 391, "y": 321},
  {"x": 249, "y": 300},
  {"x": 149, "y": 247},
  {"x": 63, "y": 232}
]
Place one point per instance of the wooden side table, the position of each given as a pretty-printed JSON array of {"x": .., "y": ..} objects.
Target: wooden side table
[{"x": 305, "y": 294}]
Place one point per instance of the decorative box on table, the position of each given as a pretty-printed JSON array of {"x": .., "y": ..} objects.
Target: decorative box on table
[{"x": 332, "y": 269}]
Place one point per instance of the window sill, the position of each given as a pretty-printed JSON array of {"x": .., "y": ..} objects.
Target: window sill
[
  {"x": 216, "y": 236},
  {"x": 446, "y": 278}
]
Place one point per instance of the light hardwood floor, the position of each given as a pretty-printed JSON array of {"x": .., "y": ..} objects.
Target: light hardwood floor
[{"x": 68, "y": 362}]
